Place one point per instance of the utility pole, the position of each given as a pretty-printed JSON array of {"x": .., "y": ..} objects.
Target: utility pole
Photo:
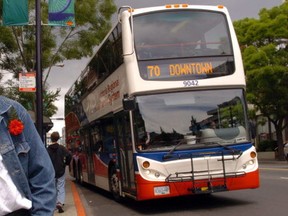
[{"x": 39, "y": 91}]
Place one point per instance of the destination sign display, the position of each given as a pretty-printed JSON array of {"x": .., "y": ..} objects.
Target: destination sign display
[{"x": 186, "y": 69}]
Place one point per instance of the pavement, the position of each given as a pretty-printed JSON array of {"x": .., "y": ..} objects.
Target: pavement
[
  {"x": 73, "y": 205},
  {"x": 69, "y": 207}
]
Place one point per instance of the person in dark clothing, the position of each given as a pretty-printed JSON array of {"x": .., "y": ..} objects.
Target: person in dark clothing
[{"x": 60, "y": 157}]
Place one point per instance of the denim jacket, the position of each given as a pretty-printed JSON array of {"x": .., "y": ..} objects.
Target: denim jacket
[{"x": 27, "y": 160}]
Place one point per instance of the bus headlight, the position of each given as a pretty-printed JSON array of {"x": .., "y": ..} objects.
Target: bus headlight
[
  {"x": 157, "y": 174},
  {"x": 249, "y": 163},
  {"x": 147, "y": 172}
]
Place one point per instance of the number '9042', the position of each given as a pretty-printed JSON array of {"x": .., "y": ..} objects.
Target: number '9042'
[{"x": 190, "y": 83}]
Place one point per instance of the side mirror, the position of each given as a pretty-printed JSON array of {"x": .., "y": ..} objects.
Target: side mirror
[{"x": 129, "y": 104}]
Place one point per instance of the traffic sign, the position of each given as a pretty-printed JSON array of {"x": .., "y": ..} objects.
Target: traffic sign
[{"x": 27, "y": 82}]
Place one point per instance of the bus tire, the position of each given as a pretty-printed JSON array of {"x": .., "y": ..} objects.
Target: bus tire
[{"x": 114, "y": 183}]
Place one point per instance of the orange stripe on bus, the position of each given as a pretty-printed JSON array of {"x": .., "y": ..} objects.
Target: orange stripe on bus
[{"x": 78, "y": 204}]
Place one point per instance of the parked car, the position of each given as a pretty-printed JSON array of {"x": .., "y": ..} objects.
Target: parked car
[{"x": 286, "y": 150}]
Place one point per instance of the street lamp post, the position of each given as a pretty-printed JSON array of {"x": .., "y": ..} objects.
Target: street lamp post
[{"x": 39, "y": 96}]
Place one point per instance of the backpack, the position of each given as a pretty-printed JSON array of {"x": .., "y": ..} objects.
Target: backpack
[{"x": 60, "y": 157}]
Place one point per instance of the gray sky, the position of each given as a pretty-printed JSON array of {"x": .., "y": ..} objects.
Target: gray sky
[{"x": 64, "y": 77}]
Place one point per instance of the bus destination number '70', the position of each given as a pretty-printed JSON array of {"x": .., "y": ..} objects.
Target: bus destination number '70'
[{"x": 154, "y": 71}]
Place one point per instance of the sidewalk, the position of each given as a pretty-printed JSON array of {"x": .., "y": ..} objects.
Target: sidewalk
[{"x": 73, "y": 205}]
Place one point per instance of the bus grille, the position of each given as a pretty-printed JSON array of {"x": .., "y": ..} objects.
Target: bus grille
[{"x": 207, "y": 180}]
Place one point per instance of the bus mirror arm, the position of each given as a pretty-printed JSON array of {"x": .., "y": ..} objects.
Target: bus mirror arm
[
  {"x": 129, "y": 103},
  {"x": 130, "y": 10}
]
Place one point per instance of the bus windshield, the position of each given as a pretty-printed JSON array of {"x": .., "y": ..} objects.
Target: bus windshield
[
  {"x": 181, "y": 34},
  {"x": 198, "y": 118}
]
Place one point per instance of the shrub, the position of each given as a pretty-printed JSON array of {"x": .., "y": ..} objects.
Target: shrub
[{"x": 267, "y": 145}]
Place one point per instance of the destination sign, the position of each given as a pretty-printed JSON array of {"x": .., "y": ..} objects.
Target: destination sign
[
  {"x": 198, "y": 68},
  {"x": 183, "y": 70}
]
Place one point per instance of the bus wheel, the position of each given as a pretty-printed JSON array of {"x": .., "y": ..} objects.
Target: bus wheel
[{"x": 114, "y": 183}]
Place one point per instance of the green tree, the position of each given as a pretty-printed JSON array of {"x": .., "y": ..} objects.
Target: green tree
[
  {"x": 17, "y": 44},
  {"x": 265, "y": 54},
  {"x": 28, "y": 99}
]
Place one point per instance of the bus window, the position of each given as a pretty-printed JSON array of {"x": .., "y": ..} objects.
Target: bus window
[
  {"x": 159, "y": 126},
  {"x": 172, "y": 34},
  {"x": 108, "y": 139},
  {"x": 97, "y": 143}
]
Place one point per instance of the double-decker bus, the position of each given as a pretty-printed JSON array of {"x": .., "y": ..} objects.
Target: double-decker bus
[{"x": 160, "y": 110}]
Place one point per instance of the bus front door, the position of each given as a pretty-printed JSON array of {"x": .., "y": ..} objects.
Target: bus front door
[{"x": 125, "y": 152}]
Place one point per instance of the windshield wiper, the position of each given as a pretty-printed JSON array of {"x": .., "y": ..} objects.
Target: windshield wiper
[
  {"x": 169, "y": 154},
  {"x": 234, "y": 151}
]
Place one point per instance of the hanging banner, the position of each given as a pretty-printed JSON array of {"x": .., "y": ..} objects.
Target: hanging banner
[
  {"x": 61, "y": 13},
  {"x": 15, "y": 12}
]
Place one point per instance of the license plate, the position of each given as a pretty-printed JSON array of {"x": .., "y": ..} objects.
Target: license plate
[{"x": 161, "y": 190}]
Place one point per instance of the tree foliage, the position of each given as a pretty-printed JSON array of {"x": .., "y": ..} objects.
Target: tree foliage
[
  {"x": 17, "y": 44},
  {"x": 28, "y": 99},
  {"x": 264, "y": 44}
]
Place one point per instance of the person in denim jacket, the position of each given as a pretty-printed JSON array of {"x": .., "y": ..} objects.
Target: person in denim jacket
[{"x": 27, "y": 176}]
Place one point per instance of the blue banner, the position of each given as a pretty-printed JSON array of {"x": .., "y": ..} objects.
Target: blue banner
[{"x": 61, "y": 13}]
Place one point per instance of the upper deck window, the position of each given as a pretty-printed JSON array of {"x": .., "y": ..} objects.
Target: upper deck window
[{"x": 181, "y": 34}]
